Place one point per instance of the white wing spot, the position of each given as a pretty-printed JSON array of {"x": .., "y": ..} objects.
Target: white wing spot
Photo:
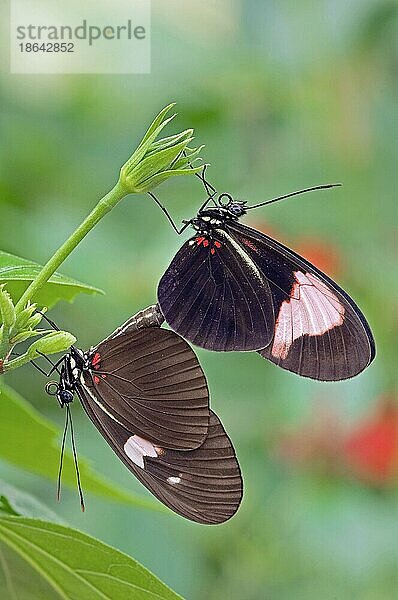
[
  {"x": 312, "y": 309},
  {"x": 136, "y": 448},
  {"x": 173, "y": 480}
]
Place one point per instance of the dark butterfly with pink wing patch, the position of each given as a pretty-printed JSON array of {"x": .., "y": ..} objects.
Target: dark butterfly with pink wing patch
[
  {"x": 144, "y": 390},
  {"x": 232, "y": 288}
]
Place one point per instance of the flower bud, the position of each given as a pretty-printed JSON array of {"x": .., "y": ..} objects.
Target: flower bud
[
  {"x": 56, "y": 341},
  {"x": 23, "y": 317},
  {"x": 23, "y": 336},
  {"x": 154, "y": 160}
]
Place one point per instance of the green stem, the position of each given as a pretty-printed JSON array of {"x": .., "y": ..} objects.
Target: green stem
[{"x": 105, "y": 205}]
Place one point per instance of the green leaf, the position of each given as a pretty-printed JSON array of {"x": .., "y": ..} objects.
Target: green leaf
[
  {"x": 5, "y": 507},
  {"x": 15, "y": 502},
  {"x": 25, "y": 335},
  {"x": 26, "y": 318},
  {"x": 74, "y": 566},
  {"x": 18, "y": 272},
  {"x": 158, "y": 120},
  {"x": 52, "y": 343},
  {"x": 7, "y": 309},
  {"x": 38, "y": 451},
  {"x": 170, "y": 140},
  {"x": 155, "y": 180}
]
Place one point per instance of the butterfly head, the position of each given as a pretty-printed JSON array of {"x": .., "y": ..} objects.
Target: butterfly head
[
  {"x": 61, "y": 390},
  {"x": 231, "y": 207},
  {"x": 226, "y": 209}
]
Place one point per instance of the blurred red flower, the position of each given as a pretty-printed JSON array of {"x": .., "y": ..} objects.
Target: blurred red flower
[
  {"x": 317, "y": 443},
  {"x": 320, "y": 253},
  {"x": 266, "y": 228},
  {"x": 371, "y": 449},
  {"x": 366, "y": 452}
]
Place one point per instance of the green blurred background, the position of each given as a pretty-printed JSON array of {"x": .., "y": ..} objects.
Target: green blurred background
[{"x": 284, "y": 95}]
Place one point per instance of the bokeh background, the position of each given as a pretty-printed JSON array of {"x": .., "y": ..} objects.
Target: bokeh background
[{"x": 284, "y": 95}]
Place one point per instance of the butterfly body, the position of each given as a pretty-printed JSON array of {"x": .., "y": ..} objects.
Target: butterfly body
[
  {"x": 72, "y": 366},
  {"x": 209, "y": 219}
]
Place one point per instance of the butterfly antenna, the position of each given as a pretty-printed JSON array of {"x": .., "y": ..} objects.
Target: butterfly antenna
[
  {"x": 61, "y": 460},
  {"x": 210, "y": 189},
  {"x": 311, "y": 189},
  {"x": 165, "y": 211},
  {"x": 75, "y": 459}
]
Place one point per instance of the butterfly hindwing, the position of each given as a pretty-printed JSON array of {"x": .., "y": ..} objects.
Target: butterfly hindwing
[
  {"x": 151, "y": 382},
  {"x": 214, "y": 296},
  {"x": 203, "y": 485},
  {"x": 319, "y": 332}
]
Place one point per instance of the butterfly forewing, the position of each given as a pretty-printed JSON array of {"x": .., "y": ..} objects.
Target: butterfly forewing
[
  {"x": 319, "y": 331},
  {"x": 203, "y": 485},
  {"x": 150, "y": 381},
  {"x": 214, "y": 296}
]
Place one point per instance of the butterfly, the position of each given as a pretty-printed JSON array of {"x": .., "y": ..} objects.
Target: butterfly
[
  {"x": 233, "y": 288},
  {"x": 145, "y": 392}
]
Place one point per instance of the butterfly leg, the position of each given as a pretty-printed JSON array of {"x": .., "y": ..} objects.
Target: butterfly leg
[
  {"x": 166, "y": 212},
  {"x": 54, "y": 366},
  {"x": 210, "y": 189}
]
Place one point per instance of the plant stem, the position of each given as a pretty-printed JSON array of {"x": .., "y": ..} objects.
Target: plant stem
[{"x": 105, "y": 205}]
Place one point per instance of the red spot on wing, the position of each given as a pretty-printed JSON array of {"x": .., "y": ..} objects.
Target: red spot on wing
[
  {"x": 212, "y": 245},
  {"x": 96, "y": 379},
  {"x": 96, "y": 360},
  {"x": 250, "y": 244}
]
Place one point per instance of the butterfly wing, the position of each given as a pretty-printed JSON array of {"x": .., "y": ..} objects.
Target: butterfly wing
[
  {"x": 319, "y": 330},
  {"x": 151, "y": 382},
  {"x": 203, "y": 485},
  {"x": 214, "y": 296}
]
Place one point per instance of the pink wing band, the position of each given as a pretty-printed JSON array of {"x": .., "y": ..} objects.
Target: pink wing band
[{"x": 312, "y": 309}]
